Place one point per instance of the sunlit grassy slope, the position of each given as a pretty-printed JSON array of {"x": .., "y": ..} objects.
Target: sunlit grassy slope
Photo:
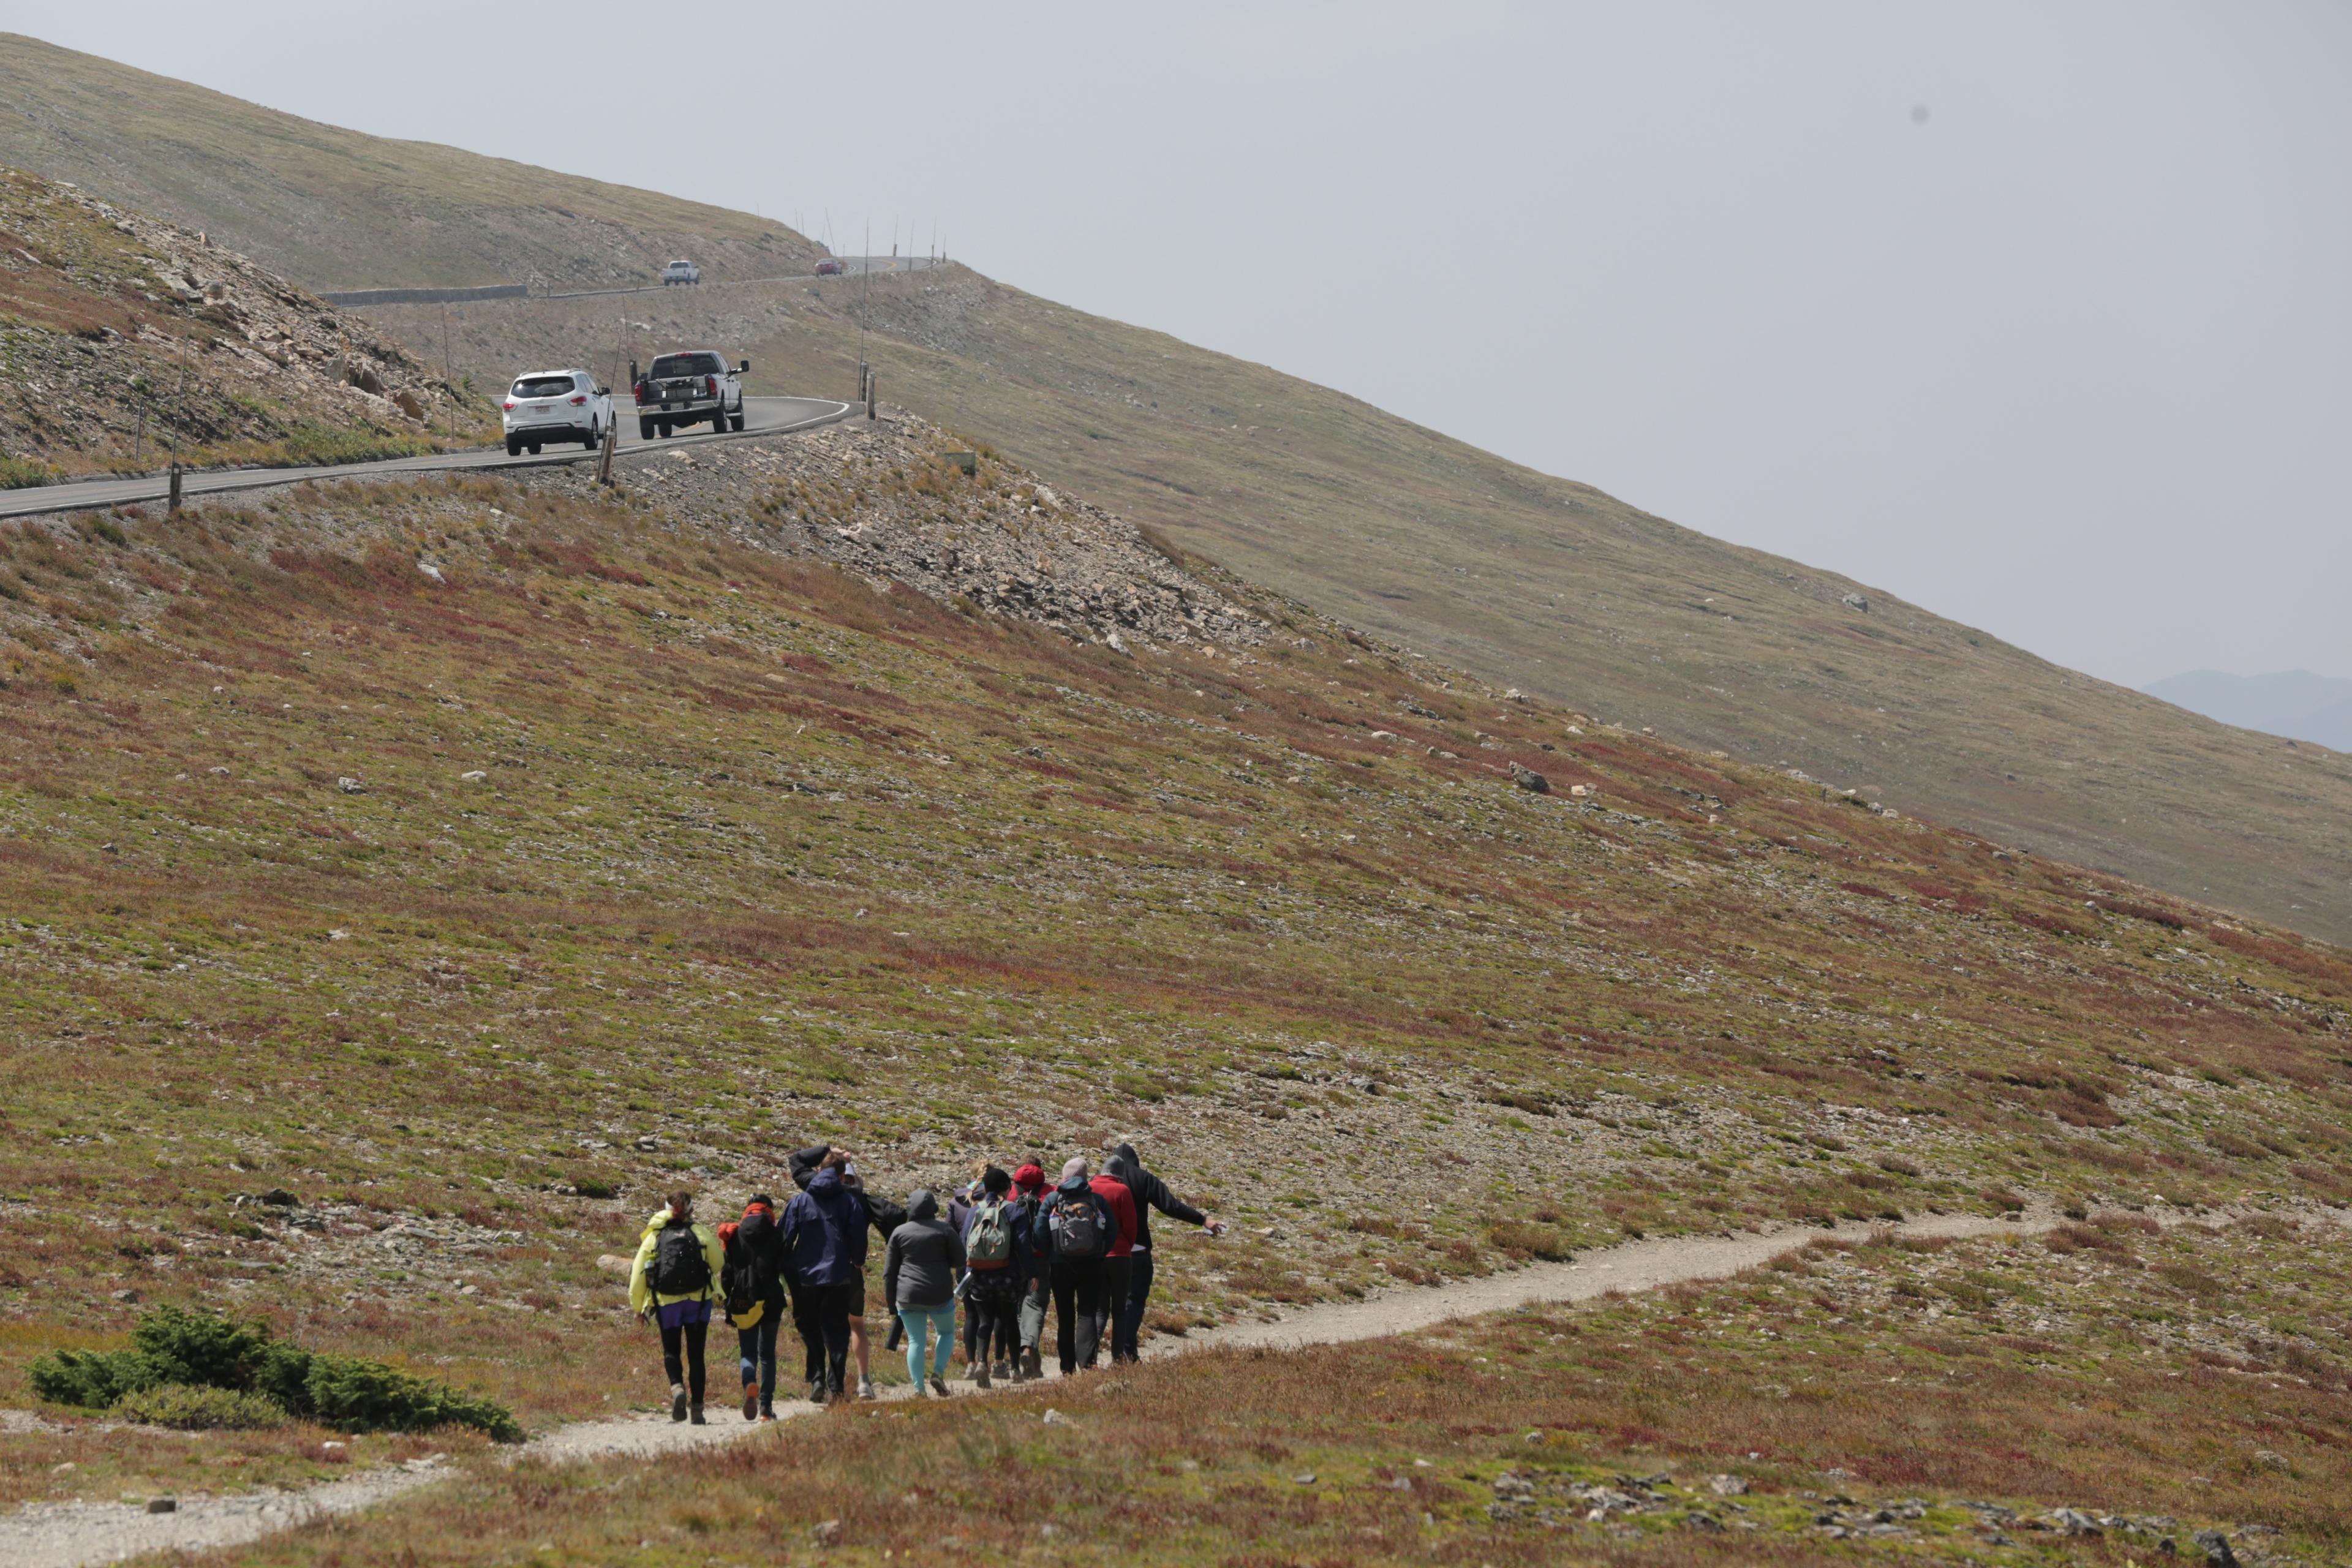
[
  {"x": 637, "y": 845},
  {"x": 2108, "y": 1396}
]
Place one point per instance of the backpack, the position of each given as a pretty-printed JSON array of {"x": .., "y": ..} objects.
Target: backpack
[
  {"x": 679, "y": 1268},
  {"x": 990, "y": 1241},
  {"x": 1077, "y": 1227}
]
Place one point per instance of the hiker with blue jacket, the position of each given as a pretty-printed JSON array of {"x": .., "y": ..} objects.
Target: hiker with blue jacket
[
  {"x": 1075, "y": 1231},
  {"x": 1150, "y": 1193},
  {"x": 825, "y": 1237},
  {"x": 997, "y": 1246},
  {"x": 921, "y": 1266},
  {"x": 671, "y": 1283}
]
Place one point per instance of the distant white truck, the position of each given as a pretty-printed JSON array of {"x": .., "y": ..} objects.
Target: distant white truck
[{"x": 681, "y": 271}]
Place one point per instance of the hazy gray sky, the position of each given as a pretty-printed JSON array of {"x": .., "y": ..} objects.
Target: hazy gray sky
[{"x": 2069, "y": 357}]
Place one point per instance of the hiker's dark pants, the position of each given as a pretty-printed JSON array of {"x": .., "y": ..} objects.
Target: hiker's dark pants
[
  {"x": 992, "y": 1315},
  {"x": 833, "y": 1325},
  {"x": 1077, "y": 1309},
  {"x": 1126, "y": 1317},
  {"x": 811, "y": 1333},
  {"x": 1115, "y": 1274},
  {"x": 693, "y": 1335},
  {"x": 755, "y": 1347}
]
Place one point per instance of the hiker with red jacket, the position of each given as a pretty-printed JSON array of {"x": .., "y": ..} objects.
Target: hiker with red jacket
[
  {"x": 997, "y": 1269},
  {"x": 671, "y": 1283},
  {"x": 756, "y": 1269},
  {"x": 1150, "y": 1193},
  {"x": 825, "y": 1236},
  {"x": 1075, "y": 1230},
  {"x": 1036, "y": 1283},
  {"x": 1118, "y": 1262}
]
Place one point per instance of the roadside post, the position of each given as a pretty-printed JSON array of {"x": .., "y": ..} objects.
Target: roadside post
[
  {"x": 173, "y": 506},
  {"x": 870, "y": 380},
  {"x": 605, "y": 454}
]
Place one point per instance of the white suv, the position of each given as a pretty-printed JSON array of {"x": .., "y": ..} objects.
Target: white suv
[
  {"x": 556, "y": 406},
  {"x": 681, "y": 272}
]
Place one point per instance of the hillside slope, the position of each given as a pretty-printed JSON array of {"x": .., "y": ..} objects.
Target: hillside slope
[
  {"x": 450, "y": 858},
  {"x": 335, "y": 208},
  {"x": 1541, "y": 582},
  {"x": 1528, "y": 580},
  {"x": 124, "y": 340}
]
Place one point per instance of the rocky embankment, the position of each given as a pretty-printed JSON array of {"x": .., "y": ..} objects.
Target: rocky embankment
[
  {"x": 881, "y": 499},
  {"x": 122, "y": 337}
]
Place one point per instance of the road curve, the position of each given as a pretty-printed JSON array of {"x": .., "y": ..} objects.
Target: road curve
[{"x": 763, "y": 416}]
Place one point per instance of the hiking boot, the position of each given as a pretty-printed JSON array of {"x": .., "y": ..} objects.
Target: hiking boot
[
  {"x": 1001, "y": 1369},
  {"x": 678, "y": 1402},
  {"x": 865, "y": 1388},
  {"x": 751, "y": 1401},
  {"x": 817, "y": 1391},
  {"x": 940, "y": 1386},
  {"x": 696, "y": 1418},
  {"x": 767, "y": 1411},
  {"x": 1036, "y": 1366},
  {"x": 979, "y": 1374}
]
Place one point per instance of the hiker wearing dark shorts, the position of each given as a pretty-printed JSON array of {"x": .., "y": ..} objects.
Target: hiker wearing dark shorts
[
  {"x": 824, "y": 1233},
  {"x": 753, "y": 1284},
  {"x": 1075, "y": 1230},
  {"x": 672, "y": 1283},
  {"x": 1150, "y": 1193},
  {"x": 996, "y": 1258}
]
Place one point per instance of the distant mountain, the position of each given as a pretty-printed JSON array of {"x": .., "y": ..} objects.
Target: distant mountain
[{"x": 2294, "y": 702}]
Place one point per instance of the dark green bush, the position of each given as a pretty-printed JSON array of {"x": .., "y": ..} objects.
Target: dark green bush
[
  {"x": 349, "y": 1392},
  {"x": 90, "y": 1379},
  {"x": 195, "y": 1352}
]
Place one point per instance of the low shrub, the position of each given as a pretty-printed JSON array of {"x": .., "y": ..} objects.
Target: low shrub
[
  {"x": 192, "y": 1408},
  {"x": 22, "y": 473},
  {"x": 172, "y": 1349}
]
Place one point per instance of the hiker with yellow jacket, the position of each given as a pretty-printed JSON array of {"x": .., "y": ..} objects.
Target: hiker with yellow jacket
[{"x": 673, "y": 1281}]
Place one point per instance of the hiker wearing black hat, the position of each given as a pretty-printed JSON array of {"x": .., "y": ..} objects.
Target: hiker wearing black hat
[
  {"x": 1149, "y": 1193},
  {"x": 1076, "y": 1230},
  {"x": 996, "y": 1255}
]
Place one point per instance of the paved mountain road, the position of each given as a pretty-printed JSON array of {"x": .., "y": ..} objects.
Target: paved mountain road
[{"x": 763, "y": 416}]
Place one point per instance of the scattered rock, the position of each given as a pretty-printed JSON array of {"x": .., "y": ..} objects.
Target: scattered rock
[
  {"x": 1529, "y": 780},
  {"x": 162, "y": 1504},
  {"x": 1305, "y": 1480},
  {"x": 1855, "y": 602},
  {"x": 1729, "y": 1486},
  {"x": 828, "y": 1533},
  {"x": 613, "y": 1263},
  {"x": 278, "y": 1198},
  {"x": 474, "y": 776},
  {"x": 2216, "y": 1548},
  {"x": 350, "y": 786}
]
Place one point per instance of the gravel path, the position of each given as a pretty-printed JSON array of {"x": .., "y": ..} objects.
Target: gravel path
[{"x": 81, "y": 1534}]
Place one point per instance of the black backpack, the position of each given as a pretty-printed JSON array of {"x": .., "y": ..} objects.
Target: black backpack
[
  {"x": 679, "y": 1268},
  {"x": 1077, "y": 1222}
]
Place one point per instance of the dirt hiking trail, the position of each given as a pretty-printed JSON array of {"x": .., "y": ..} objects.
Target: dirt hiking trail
[{"x": 81, "y": 1534}]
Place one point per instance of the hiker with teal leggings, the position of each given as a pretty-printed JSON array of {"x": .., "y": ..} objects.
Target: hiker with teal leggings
[{"x": 921, "y": 1268}]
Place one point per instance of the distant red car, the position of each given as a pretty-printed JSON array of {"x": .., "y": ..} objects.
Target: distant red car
[{"x": 829, "y": 268}]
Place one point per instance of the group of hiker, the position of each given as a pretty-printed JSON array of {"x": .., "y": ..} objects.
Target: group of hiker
[{"x": 1007, "y": 1246}]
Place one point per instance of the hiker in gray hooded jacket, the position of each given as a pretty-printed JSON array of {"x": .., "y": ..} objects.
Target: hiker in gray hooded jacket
[{"x": 921, "y": 1269}]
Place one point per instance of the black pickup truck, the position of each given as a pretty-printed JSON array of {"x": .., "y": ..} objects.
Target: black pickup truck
[{"x": 689, "y": 388}]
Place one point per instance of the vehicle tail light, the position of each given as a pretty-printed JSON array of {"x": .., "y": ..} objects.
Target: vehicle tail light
[
  {"x": 579, "y": 400},
  {"x": 638, "y": 392},
  {"x": 711, "y": 382},
  {"x": 510, "y": 406}
]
